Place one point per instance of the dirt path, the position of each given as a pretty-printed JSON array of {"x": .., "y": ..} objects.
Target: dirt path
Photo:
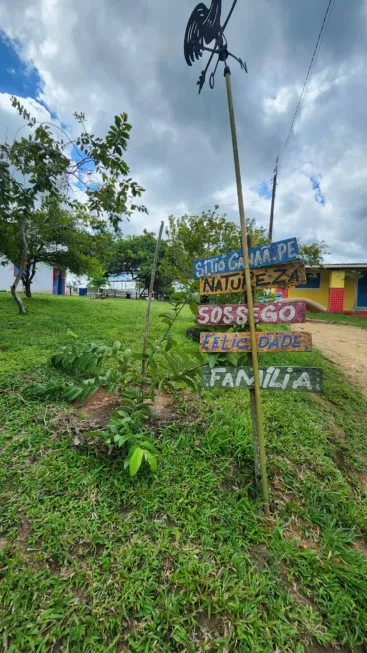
[{"x": 344, "y": 345}]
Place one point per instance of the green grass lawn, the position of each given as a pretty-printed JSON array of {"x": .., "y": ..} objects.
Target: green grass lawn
[
  {"x": 92, "y": 560},
  {"x": 340, "y": 318}
]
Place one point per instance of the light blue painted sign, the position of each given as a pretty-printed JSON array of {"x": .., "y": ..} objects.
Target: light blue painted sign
[{"x": 271, "y": 254}]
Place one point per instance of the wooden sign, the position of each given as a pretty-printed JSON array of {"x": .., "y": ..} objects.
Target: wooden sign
[
  {"x": 290, "y": 274},
  {"x": 266, "y": 342},
  {"x": 309, "y": 379},
  {"x": 271, "y": 313},
  {"x": 280, "y": 252}
]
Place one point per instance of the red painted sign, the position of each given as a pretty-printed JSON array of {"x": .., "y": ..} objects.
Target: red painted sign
[{"x": 272, "y": 313}]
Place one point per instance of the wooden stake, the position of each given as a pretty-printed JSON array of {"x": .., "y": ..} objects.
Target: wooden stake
[
  {"x": 258, "y": 423},
  {"x": 150, "y": 295},
  {"x": 256, "y": 445}
]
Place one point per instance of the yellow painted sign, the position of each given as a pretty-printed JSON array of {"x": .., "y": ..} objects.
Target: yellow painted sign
[{"x": 275, "y": 276}]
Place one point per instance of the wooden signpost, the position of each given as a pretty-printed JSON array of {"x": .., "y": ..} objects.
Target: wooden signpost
[
  {"x": 237, "y": 314},
  {"x": 307, "y": 379},
  {"x": 266, "y": 342},
  {"x": 268, "y": 266},
  {"x": 283, "y": 251},
  {"x": 282, "y": 276},
  {"x": 226, "y": 274}
]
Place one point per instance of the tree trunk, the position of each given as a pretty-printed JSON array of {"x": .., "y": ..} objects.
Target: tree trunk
[
  {"x": 22, "y": 264},
  {"x": 27, "y": 288},
  {"x": 28, "y": 277}
]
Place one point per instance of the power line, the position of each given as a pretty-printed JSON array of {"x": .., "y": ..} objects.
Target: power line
[{"x": 320, "y": 39}]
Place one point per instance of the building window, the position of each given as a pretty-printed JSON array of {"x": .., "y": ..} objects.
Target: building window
[{"x": 313, "y": 280}]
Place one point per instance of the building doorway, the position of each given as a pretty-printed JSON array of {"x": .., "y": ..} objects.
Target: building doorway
[
  {"x": 58, "y": 282},
  {"x": 362, "y": 292}
]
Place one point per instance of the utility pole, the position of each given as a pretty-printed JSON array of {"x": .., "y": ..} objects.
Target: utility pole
[{"x": 273, "y": 201}]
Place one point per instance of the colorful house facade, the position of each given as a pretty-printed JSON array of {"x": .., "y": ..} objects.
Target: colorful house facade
[{"x": 340, "y": 287}]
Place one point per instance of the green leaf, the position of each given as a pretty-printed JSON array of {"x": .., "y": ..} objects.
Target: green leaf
[
  {"x": 232, "y": 359},
  {"x": 142, "y": 406},
  {"x": 193, "y": 307},
  {"x": 126, "y": 401},
  {"x": 122, "y": 439},
  {"x": 178, "y": 295},
  {"x": 86, "y": 360},
  {"x": 145, "y": 444},
  {"x": 198, "y": 355},
  {"x": 55, "y": 360},
  {"x": 70, "y": 394},
  {"x": 169, "y": 343},
  {"x": 152, "y": 391},
  {"x": 116, "y": 346},
  {"x": 135, "y": 461},
  {"x": 88, "y": 390},
  {"x": 191, "y": 383},
  {"x": 122, "y": 413},
  {"x": 212, "y": 359},
  {"x": 140, "y": 357},
  {"x": 127, "y": 354},
  {"x": 168, "y": 315},
  {"x": 152, "y": 461},
  {"x": 153, "y": 365},
  {"x": 167, "y": 320}
]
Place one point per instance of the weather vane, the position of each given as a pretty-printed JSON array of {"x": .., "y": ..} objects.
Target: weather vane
[{"x": 204, "y": 27}]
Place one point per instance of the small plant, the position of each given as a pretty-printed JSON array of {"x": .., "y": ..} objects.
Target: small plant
[
  {"x": 125, "y": 430},
  {"x": 118, "y": 370}
]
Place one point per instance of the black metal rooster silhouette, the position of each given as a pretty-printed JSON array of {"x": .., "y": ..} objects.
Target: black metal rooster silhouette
[{"x": 203, "y": 28}]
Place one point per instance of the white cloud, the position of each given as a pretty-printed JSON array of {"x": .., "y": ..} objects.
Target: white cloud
[
  {"x": 105, "y": 58},
  {"x": 280, "y": 103},
  {"x": 10, "y": 120}
]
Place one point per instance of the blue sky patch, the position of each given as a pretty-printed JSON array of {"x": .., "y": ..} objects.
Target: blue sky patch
[
  {"x": 319, "y": 196},
  {"x": 16, "y": 78},
  {"x": 265, "y": 191}
]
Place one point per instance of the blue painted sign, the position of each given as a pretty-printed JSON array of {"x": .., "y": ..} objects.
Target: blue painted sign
[{"x": 271, "y": 254}]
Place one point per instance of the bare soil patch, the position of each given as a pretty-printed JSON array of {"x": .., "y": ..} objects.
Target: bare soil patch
[
  {"x": 100, "y": 405},
  {"x": 344, "y": 345},
  {"x": 360, "y": 546}
]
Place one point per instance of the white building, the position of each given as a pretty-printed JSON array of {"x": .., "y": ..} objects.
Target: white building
[
  {"x": 47, "y": 280},
  {"x": 121, "y": 282}
]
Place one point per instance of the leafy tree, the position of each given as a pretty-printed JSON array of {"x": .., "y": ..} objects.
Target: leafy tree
[
  {"x": 44, "y": 165},
  {"x": 98, "y": 278},
  {"x": 55, "y": 236},
  {"x": 198, "y": 236},
  {"x": 134, "y": 256},
  {"x": 314, "y": 253}
]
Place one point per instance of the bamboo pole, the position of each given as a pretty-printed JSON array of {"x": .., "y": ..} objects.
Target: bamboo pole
[
  {"x": 150, "y": 295},
  {"x": 257, "y": 468},
  {"x": 258, "y": 424}
]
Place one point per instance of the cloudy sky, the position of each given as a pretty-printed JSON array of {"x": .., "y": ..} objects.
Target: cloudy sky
[{"x": 106, "y": 57}]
